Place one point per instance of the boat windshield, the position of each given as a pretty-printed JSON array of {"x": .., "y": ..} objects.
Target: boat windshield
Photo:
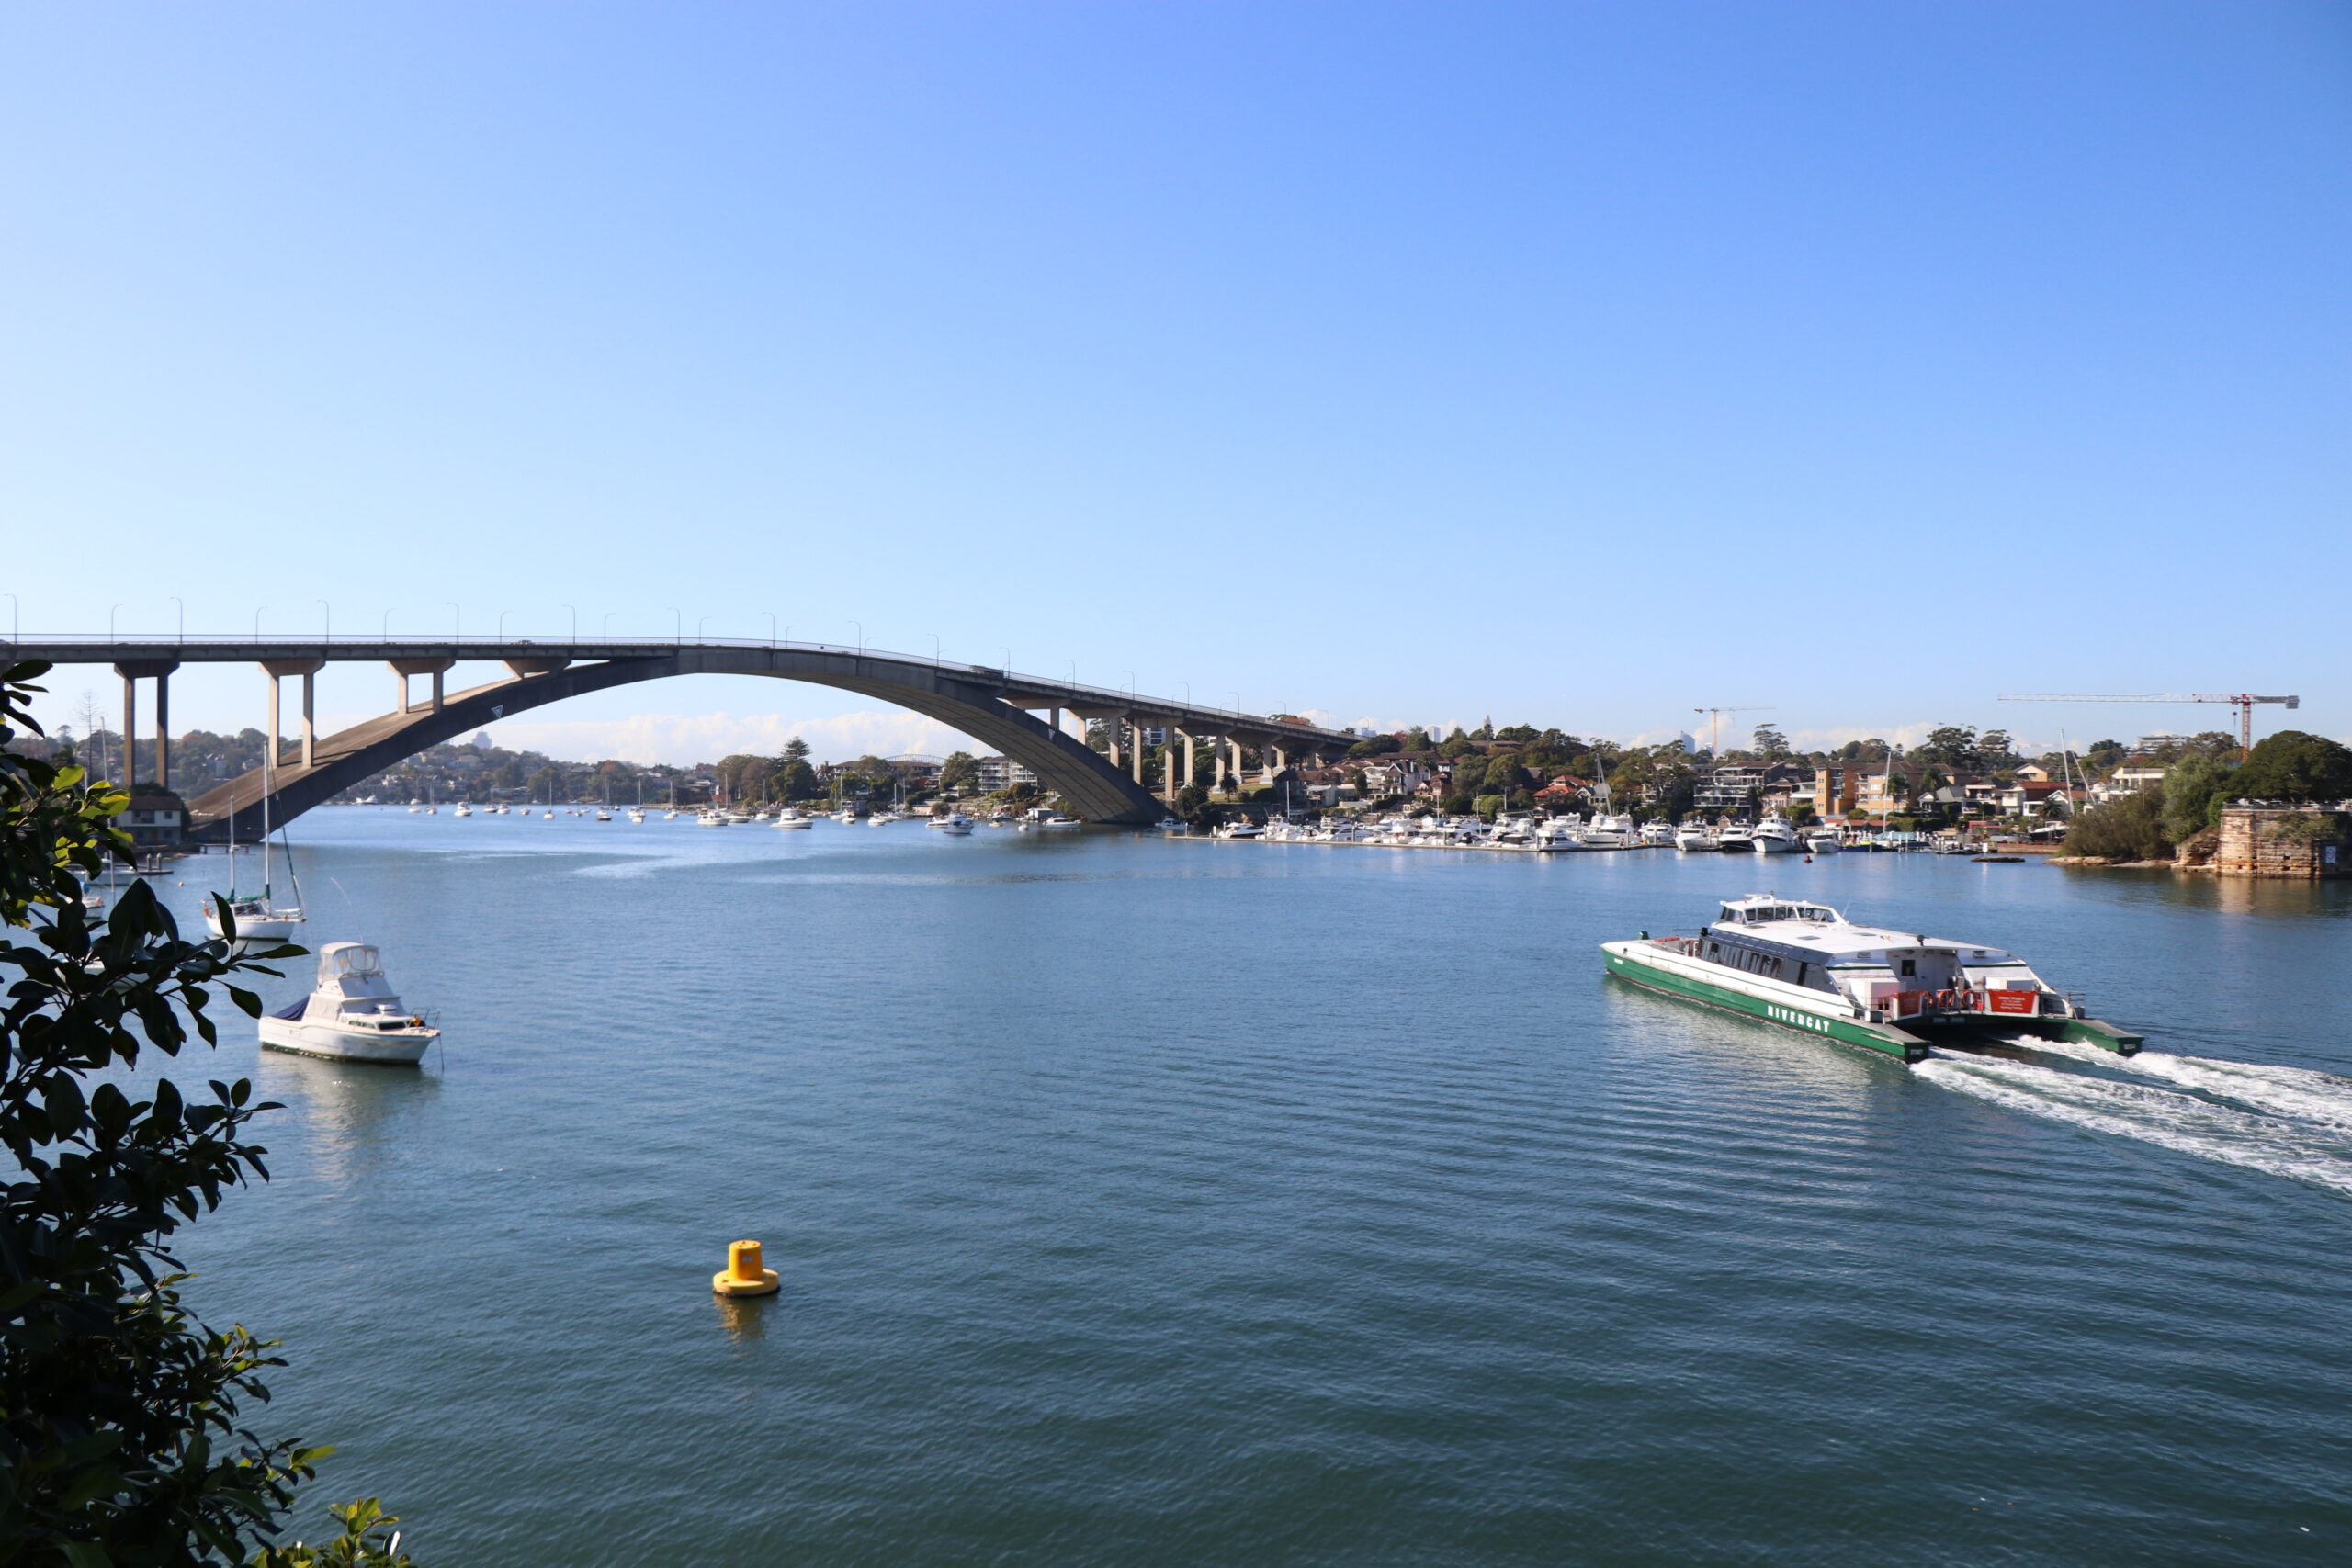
[
  {"x": 353, "y": 959},
  {"x": 1754, "y": 914}
]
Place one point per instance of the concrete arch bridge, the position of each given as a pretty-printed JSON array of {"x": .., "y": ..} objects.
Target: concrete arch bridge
[{"x": 998, "y": 708}]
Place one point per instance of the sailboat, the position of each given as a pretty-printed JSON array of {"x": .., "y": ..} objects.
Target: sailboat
[{"x": 257, "y": 920}]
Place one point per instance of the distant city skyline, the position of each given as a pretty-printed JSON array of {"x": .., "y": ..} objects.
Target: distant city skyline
[{"x": 1582, "y": 365}]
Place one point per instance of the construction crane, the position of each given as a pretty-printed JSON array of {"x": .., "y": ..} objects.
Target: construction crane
[
  {"x": 1715, "y": 733},
  {"x": 2242, "y": 701}
]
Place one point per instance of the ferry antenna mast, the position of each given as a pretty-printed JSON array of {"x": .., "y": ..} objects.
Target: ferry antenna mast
[{"x": 2242, "y": 701}]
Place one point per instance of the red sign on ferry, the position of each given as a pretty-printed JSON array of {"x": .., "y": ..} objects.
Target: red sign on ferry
[{"x": 2013, "y": 1001}]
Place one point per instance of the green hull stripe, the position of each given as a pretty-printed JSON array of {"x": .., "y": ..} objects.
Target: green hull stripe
[{"x": 1847, "y": 1030}]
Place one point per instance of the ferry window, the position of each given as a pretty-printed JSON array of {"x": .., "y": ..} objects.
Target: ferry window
[{"x": 1909, "y": 968}]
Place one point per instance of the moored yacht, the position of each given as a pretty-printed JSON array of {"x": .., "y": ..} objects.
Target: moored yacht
[
  {"x": 1735, "y": 837},
  {"x": 1821, "y": 841},
  {"x": 789, "y": 819},
  {"x": 351, "y": 1014},
  {"x": 1774, "y": 836},
  {"x": 954, "y": 824},
  {"x": 1692, "y": 835},
  {"x": 1658, "y": 834},
  {"x": 1805, "y": 966},
  {"x": 1606, "y": 831},
  {"x": 1557, "y": 835}
]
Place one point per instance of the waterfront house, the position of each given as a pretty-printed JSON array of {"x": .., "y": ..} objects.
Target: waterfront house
[
  {"x": 155, "y": 819},
  {"x": 2136, "y": 774}
]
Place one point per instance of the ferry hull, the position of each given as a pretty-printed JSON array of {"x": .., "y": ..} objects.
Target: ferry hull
[{"x": 1884, "y": 1039}]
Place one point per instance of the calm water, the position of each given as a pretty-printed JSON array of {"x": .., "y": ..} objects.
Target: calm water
[{"x": 1146, "y": 1201}]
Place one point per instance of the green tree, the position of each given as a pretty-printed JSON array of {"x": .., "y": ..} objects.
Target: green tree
[
  {"x": 795, "y": 780},
  {"x": 122, "y": 1440},
  {"x": 2295, "y": 766},
  {"x": 1503, "y": 773},
  {"x": 1769, "y": 742},
  {"x": 2195, "y": 788},
  {"x": 959, "y": 771},
  {"x": 2130, "y": 827},
  {"x": 1953, "y": 745}
]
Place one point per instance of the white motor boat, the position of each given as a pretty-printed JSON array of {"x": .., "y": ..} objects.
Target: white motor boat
[
  {"x": 1611, "y": 832},
  {"x": 788, "y": 817},
  {"x": 1557, "y": 835},
  {"x": 636, "y": 815},
  {"x": 462, "y": 811},
  {"x": 1774, "y": 836},
  {"x": 603, "y": 815},
  {"x": 351, "y": 1015},
  {"x": 954, "y": 824},
  {"x": 1658, "y": 835},
  {"x": 1170, "y": 825},
  {"x": 711, "y": 820},
  {"x": 1822, "y": 842},
  {"x": 845, "y": 814},
  {"x": 1240, "y": 828},
  {"x": 1692, "y": 835},
  {"x": 1736, "y": 839}
]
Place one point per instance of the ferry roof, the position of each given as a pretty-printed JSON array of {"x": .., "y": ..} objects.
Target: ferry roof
[{"x": 1801, "y": 927}]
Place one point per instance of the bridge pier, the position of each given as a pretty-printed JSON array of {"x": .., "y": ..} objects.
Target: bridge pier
[
  {"x": 404, "y": 668},
  {"x": 132, "y": 671},
  {"x": 277, "y": 669}
]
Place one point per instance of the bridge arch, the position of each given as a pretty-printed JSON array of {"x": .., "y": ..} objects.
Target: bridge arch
[{"x": 972, "y": 704}]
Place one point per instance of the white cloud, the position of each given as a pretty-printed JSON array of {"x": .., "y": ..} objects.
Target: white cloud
[{"x": 685, "y": 738}]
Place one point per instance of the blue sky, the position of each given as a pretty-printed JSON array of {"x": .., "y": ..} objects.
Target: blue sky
[{"x": 1576, "y": 364}]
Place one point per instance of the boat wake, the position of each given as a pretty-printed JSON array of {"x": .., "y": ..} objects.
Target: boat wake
[{"x": 2290, "y": 1121}]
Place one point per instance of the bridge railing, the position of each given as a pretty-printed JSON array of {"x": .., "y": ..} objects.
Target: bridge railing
[{"x": 358, "y": 645}]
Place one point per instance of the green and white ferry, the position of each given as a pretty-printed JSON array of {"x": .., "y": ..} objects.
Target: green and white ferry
[{"x": 1805, "y": 966}]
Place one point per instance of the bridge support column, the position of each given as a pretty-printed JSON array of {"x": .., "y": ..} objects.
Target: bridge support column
[
  {"x": 278, "y": 670},
  {"x": 1135, "y": 738},
  {"x": 132, "y": 671},
  {"x": 269, "y": 739},
  {"x": 1168, "y": 784},
  {"x": 1188, "y": 761},
  {"x": 1234, "y": 741},
  {"x": 404, "y": 668}
]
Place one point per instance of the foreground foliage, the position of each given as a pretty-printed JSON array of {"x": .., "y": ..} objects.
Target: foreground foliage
[{"x": 122, "y": 1440}]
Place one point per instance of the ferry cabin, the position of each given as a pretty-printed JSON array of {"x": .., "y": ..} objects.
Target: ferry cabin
[{"x": 1813, "y": 946}]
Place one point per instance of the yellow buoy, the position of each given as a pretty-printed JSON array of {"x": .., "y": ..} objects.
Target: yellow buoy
[{"x": 743, "y": 1275}]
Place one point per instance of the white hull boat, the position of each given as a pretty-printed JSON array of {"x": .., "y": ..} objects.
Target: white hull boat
[
  {"x": 351, "y": 1015},
  {"x": 789, "y": 820},
  {"x": 1692, "y": 837},
  {"x": 1775, "y": 836}
]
